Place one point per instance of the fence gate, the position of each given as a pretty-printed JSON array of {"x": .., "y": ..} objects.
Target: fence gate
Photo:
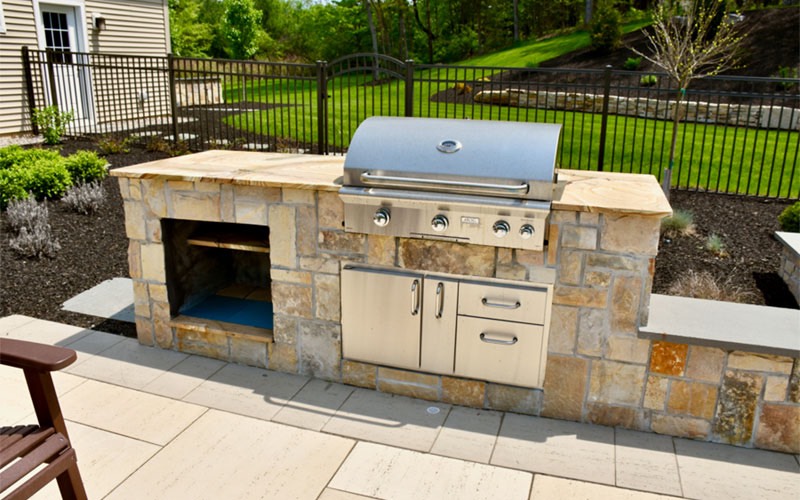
[{"x": 359, "y": 86}]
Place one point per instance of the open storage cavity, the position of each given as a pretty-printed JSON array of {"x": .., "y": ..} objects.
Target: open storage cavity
[{"x": 219, "y": 272}]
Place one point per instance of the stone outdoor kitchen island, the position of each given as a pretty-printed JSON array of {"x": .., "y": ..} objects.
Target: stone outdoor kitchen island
[{"x": 275, "y": 223}]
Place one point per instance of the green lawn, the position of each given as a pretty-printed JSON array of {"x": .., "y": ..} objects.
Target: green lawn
[{"x": 531, "y": 54}]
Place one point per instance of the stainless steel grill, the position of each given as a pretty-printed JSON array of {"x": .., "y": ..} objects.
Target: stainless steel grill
[{"x": 480, "y": 182}]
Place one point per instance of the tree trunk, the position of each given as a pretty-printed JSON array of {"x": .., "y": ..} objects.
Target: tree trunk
[
  {"x": 374, "y": 36},
  {"x": 426, "y": 29},
  {"x": 666, "y": 181},
  {"x": 516, "y": 20}
]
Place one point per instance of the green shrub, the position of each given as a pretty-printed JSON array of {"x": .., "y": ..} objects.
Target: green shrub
[
  {"x": 86, "y": 166},
  {"x": 715, "y": 245},
  {"x": 11, "y": 156},
  {"x": 605, "y": 31},
  {"x": 789, "y": 219},
  {"x": 632, "y": 63},
  {"x": 12, "y": 185},
  {"x": 48, "y": 179},
  {"x": 681, "y": 222},
  {"x": 38, "y": 171},
  {"x": 52, "y": 123},
  {"x": 648, "y": 80},
  {"x": 110, "y": 145}
]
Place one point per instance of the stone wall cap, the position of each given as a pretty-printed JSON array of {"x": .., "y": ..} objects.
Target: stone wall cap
[
  {"x": 727, "y": 325},
  {"x": 578, "y": 190},
  {"x": 248, "y": 168},
  {"x": 586, "y": 191},
  {"x": 791, "y": 240}
]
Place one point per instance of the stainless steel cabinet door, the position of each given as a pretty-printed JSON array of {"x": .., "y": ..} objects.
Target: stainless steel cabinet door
[
  {"x": 440, "y": 306},
  {"x": 381, "y": 317}
]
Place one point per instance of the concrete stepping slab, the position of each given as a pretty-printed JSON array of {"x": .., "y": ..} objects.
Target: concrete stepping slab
[
  {"x": 556, "y": 447},
  {"x": 646, "y": 461},
  {"x": 244, "y": 390},
  {"x": 105, "y": 459},
  {"x": 184, "y": 377},
  {"x": 43, "y": 331},
  {"x": 380, "y": 471},
  {"x": 547, "y": 487},
  {"x": 223, "y": 455},
  {"x": 468, "y": 434},
  {"x": 16, "y": 407},
  {"x": 111, "y": 299},
  {"x": 134, "y": 414},
  {"x": 127, "y": 363},
  {"x": 717, "y": 471},
  {"x": 314, "y": 405},
  {"x": 12, "y": 322},
  {"x": 389, "y": 419}
]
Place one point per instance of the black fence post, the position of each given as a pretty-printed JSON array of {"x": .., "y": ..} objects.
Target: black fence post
[
  {"x": 51, "y": 75},
  {"x": 322, "y": 108},
  {"x": 601, "y": 154},
  {"x": 409, "y": 95},
  {"x": 26, "y": 68},
  {"x": 173, "y": 98}
]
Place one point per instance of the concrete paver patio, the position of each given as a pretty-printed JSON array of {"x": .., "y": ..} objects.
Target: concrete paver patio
[{"x": 155, "y": 424}]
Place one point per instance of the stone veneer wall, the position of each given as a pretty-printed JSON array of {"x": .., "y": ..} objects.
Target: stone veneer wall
[
  {"x": 598, "y": 370},
  {"x": 790, "y": 269}
]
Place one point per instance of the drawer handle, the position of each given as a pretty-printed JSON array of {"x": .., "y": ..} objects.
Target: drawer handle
[
  {"x": 501, "y": 305},
  {"x": 488, "y": 340}
]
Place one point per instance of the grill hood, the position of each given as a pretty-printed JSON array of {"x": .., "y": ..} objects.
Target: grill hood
[{"x": 488, "y": 158}]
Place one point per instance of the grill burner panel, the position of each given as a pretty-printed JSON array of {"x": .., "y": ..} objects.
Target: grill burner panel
[
  {"x": 479, "y": 182},
  {"x": 463, "y": 219}
]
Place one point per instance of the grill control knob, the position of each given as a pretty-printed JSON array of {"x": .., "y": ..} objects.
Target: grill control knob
[
  {"x": 439, "y": 223},
  {"x": 526, "y": 231},
  {"x": 501, "y": 228},
  {"x": 382, "y": 217}
]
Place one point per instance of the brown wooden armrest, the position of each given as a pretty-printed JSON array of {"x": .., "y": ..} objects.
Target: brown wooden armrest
[{"x": 34, "y": 356}]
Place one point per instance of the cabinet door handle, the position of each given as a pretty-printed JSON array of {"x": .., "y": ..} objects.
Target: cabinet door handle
[
  {"x": 415, "y": 298},
  {"x": 439, "y": 300},
  {"x": 489, "y": 340},
  {"x": 501, "y": 305}
]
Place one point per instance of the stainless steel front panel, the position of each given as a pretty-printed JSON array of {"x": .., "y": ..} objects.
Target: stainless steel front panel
[
  {"x": 381, "y": 317},
  {"x": 506, "y": 159},
  {"x": 469, "y": 219}
]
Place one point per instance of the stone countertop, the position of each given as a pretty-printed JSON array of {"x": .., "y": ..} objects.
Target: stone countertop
[{"x": 578, "y": 190}]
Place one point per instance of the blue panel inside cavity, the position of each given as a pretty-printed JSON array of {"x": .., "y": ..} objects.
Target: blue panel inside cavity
[{"x": 232, "y": 310}]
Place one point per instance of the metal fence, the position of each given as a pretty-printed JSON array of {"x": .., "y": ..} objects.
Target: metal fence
[{"x": 736, "y": 135}]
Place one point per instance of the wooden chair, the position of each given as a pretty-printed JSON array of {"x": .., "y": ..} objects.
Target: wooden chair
[{"x": 27, "y": 447}]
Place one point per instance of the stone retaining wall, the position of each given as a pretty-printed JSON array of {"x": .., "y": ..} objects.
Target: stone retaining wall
[
  {"x": 790, "y": 266},
  {"x": 760, "y": 116},
  {"x": 598, "y": 369}
]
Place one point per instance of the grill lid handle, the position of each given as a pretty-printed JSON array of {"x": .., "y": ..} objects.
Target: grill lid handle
[{"x": 453, "y": 186}]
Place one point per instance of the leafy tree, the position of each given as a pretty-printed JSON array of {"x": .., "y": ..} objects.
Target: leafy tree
[
  {"x": 242, "y": 28},
  {"x": 189, "y": 37},
  {"x": 683, "y": 43},
  {"x": 606, "y": 28}
]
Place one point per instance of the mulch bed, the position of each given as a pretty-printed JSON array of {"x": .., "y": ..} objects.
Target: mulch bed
[{"x": 94, "y": 249}]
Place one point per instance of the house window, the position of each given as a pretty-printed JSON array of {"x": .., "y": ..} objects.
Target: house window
[{"x": 56, "y": 35}]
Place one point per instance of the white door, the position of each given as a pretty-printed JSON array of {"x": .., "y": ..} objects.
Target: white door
[{"x": 70, "y": 74}]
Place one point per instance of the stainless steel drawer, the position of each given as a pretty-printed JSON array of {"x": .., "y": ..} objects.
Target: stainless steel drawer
[
  {"x": 499, "y": 351},
  {"x": 507, "y": 303}
]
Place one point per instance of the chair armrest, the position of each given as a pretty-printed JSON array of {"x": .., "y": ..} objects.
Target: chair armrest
[{"x": 35, "y": 356}]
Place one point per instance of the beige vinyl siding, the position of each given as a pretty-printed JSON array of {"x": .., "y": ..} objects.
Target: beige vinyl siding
[
  {"x": 19, "y": 31},
  {"x": 132, "y": 27}
]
